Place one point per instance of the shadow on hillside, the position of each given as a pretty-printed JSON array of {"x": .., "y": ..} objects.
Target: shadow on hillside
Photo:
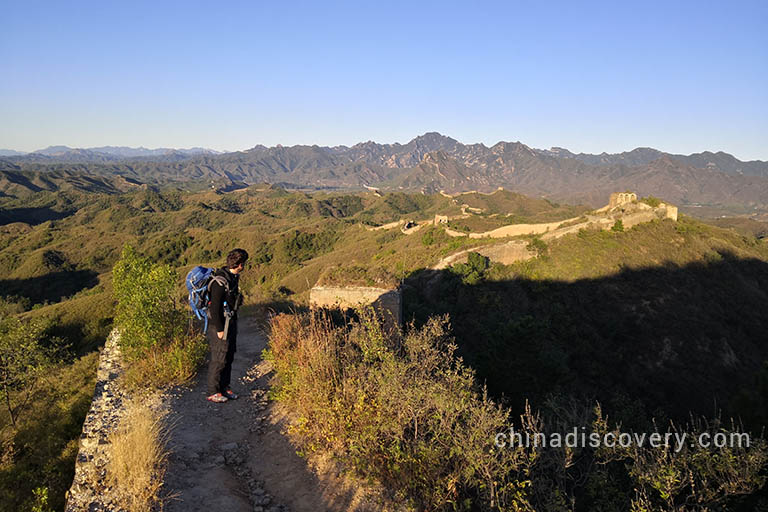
[
  {"x": 50, "y": 287},
  {"x": 31, "y": 215},
  {"x": 659, "y": 341}
]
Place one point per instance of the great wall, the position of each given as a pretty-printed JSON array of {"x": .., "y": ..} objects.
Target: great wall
[{"x": 622, "y": 206}]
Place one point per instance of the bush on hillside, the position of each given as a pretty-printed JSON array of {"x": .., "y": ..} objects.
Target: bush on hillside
[
  {"x": 299, "y": 246},
  {"x": 339, "y": 206},
  {"x": 473, "y": 271},
  {"x": 38, "y": 457},
  {"x": 716, "y": 466},
  {"x": 153, "y": 324},
  {"x": 24, "y": 359},
  {"x": 538, "y": 246},
  {"x": 397, "y": 408},
  {"x": 651, "y": 201}
]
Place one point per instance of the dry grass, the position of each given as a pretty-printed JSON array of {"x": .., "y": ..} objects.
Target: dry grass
[
  {"x": 138, "y": 458},
  {"x": 167, "y": 365}
]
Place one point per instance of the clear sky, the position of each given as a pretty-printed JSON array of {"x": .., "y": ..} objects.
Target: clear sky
[{"x": 589, "y": 76}]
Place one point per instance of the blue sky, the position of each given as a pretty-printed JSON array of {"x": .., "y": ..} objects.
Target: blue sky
[{"x": 590, "y": 76}]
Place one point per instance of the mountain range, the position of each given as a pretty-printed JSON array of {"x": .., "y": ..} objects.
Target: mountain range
[
  {"x": 101, "y": 154},
  {"x": 431, "y": 162}
]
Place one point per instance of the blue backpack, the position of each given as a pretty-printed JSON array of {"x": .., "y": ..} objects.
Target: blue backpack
[{"x": 199, "y": 281}]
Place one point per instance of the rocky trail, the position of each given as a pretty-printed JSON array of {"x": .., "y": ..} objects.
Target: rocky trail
[{"x": 236, "y": 457}]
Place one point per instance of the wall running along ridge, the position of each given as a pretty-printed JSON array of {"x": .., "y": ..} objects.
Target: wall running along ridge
[
  {"x": 628, "y": 210},
  {"x": 89, "y": 490}
]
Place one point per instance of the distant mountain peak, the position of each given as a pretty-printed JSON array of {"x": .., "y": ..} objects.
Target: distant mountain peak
[
  {"x": 11, "y": 152},
  {"x": 434, "y": 137},
  {"x": 52, "y": 150}
]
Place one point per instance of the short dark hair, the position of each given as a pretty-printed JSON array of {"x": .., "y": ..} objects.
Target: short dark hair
[{"x": 236, "y": 257}]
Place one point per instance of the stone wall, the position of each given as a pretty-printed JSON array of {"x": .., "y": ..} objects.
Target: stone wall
[
  {"x": 505, "y": 253},
  {"x": 384, "y": 226},
  {"x": 622, "y": 205},
  {"x": 387, "y": 302},
  {"x": 89, "y": 490},
  {"x": 521, "y": 229},
  {"x": 631, "y": 214},
  {"x": 620, "y": 198}
]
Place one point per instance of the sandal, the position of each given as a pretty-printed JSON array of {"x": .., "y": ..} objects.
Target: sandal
[
  {"x": 218, "y": 398},
  {"x": 231, "y": 394}
]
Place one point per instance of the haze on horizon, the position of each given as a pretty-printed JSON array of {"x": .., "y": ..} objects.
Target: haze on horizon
[{"x": 603, "y": 77}]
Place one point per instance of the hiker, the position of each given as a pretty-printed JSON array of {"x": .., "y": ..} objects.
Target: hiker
[{"x": 222, "y": 328}]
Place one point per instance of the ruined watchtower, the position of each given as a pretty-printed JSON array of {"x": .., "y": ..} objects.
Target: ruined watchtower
[{"x": 621, "y": 198}]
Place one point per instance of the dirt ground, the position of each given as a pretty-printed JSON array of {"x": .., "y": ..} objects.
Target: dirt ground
[{"x": 236, "y": 456}]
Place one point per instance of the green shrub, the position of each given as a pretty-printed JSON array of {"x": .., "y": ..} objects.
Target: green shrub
[
  {"x": 651, "y": 201},
  {"x": 228, "y": 204},
  {"x": 24, "y": 358},
  {"x": 152, "y": 323},
  {"x": 153, "y": 201},
  {"x": 170, "y": 248},
  {"x": 39, "y": 455},
  {"x": 473, "y": 271},
  {"x": 339, "y": 206},
  {"x": 687, "y": 226},
  {"x": 262, "y": 255},
  {"x": 705, "y": 477},
  {"x": 428, "y": 238},
  {"x": 300, "y": 246},
  {"x": 403, "y": 203},
  {"x": 166, "y": 365},
  {"x": 146, "y": 313},
  {"x": 538, "y": 246},
  {"x": 618, "y": 226}
]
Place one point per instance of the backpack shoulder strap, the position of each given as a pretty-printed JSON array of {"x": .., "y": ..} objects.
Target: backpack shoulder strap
[{"x": 221, "y": 280}]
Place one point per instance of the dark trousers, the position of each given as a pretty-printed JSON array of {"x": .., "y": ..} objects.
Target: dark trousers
[{"x": 222, "y": 355}]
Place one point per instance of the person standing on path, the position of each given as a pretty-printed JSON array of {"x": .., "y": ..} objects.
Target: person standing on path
[{"x": 222, "y": 328}]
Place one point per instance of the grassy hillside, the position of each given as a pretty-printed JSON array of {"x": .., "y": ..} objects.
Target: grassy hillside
[{"x": 659, "y": 320}]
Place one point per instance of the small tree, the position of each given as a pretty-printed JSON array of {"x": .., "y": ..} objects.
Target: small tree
[
  {"x": 24, "y": 359},
  {"x": 473, "y": 271},
  {"x": 618, "y": 226},
  {"x": 538, "y": 246},
  {"x": 147, "y": 312}
]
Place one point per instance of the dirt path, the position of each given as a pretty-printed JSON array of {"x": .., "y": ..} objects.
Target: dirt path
[{"x": 235, "y": 457}]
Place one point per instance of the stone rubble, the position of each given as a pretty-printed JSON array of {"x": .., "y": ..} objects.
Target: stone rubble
[{"x": 89, "y": 490}]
